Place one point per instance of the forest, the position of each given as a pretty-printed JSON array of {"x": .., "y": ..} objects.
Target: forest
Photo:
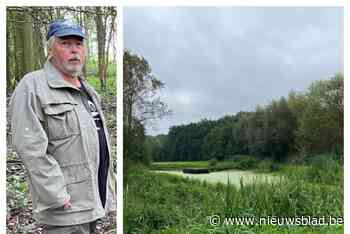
[
  {"x": 26, "y": 39},
  {"x": 26, "y": 49},
  {"x": 303, "y": 124}
]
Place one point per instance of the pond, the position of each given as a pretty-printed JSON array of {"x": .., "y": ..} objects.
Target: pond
[{"x": 234, "y": 176}]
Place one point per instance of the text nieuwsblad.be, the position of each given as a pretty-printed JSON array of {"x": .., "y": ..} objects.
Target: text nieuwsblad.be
[{"x": 281, "y": 221}]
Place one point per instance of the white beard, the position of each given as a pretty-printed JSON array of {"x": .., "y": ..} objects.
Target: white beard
[{"x": 73, "y": 70}]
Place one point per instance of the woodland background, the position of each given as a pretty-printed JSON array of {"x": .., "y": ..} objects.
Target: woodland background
[{"x": 26, "y": 51}]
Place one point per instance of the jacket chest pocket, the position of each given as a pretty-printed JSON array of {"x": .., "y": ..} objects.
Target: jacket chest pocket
[{"x": 62, "y": 120}]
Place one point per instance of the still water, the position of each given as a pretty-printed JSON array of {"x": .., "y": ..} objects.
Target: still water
[{"x": 233, "y": 176}]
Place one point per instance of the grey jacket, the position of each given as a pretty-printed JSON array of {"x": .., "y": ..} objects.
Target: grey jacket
[{"x": 57, "y": 139}]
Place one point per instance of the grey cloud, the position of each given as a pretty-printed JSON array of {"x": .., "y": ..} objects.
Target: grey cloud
[{"x": 217, "y": 61}]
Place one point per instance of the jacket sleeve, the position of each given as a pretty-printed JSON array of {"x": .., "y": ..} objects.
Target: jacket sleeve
[{"x": 46, "y": 180}]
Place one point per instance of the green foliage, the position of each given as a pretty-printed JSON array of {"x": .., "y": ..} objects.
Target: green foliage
[
  {"x": 325, "y": 168},
  {"x": 156, "y": 144},
  {"x": 185, "y": 142},
  {"x": 304, "y": 124},
  {"x": 140, "y": 96},
  {"x": 246, "y": 162},
  {"x": 267, "y": 166},
  {"x": 17, "y": 192},
  {"x": 241, "y": 162},
  {"x": 217, "y": 138},
  {"x": 321, "y": 170},
  {"x": 141, "y": 105},
  {"x": 91, "y": 66},
  {"x": 321, "y": 121},
  {"x": 179, "y": 165},
  {"x": 95, "y": 82},
  {"x": 158, "y": 203},
  {"x": 213, "y": 162},
  {"x": 135, "y": 146},
  {"x": 26, "y": 32}
]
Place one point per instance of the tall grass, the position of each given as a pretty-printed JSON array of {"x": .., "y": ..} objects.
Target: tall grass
[{"x": 169, "y": 204}]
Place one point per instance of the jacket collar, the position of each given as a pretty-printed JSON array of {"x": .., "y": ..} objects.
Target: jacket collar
[{"x": 54, "y": 77}]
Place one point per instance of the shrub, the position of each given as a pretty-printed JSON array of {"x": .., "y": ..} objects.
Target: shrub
[
  {"x": 213, "y": 162},
  {"x": 245, "y": 162},
  {"x": 267, "y": 166},
  {"x": 17, "y": 191}
]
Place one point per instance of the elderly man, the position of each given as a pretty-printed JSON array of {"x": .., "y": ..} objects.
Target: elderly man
[{"x": 60, "y": 133}]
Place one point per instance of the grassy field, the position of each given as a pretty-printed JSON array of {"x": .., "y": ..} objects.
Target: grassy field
[{"x": 164, "y": 203}]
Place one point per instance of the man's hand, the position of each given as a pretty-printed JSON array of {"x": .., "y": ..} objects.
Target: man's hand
[{"x": 67, "y": 205}]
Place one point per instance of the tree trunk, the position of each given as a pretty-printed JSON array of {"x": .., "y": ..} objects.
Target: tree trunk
[
  {"x": 86, "y": 41},
  {"x": 18, "y": 47},
  {"x": 110, "y": 36},
  {"x": 39, "y": 42},
  {"x": 8, "y": 60},
  {"x": 28, "y": 51},
  {"x": 101, "y": 36}
]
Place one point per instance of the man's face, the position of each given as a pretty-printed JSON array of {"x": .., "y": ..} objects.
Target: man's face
[{"x": 68, "y": 54}]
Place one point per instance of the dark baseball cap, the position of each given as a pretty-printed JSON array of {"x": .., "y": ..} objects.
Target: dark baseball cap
[{"x": 62, "y": 28}]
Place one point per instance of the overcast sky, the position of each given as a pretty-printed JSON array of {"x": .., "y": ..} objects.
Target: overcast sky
[{"x": 218, "y": 61}]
